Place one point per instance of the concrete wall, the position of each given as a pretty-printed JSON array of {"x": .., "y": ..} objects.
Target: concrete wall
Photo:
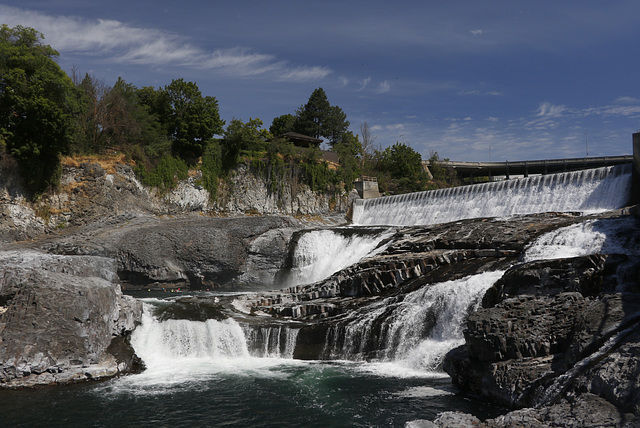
[
  {"x": 367, "y": 189},
  {"x": 635, "y": 186}
]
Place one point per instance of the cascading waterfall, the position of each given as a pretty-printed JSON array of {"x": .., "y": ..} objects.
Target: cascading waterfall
[
  {"x": 271, "y": 341},
  {"x": 607, "y": 236},
  {"x": 604, "y": 236},
  {"x": 416, "y": 330},
  {"x": 320, "y": 253},
  {"x": 589, "y": 191},
  {"x": 180, "y": 340}
]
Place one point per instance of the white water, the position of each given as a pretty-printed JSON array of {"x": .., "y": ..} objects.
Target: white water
[
  {"x": 607, "y": 236},
  {"x": 182, "y": 351},
  {"x": 321, "y": 253},
  {"x": 588, "y": 191},
  {"x": 415, "y": 332}
]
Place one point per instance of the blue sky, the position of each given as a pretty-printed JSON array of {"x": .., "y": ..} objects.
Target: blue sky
[{"x": 472, "y": 80}]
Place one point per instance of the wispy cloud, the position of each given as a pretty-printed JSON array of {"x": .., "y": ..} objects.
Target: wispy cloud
[
  {"x": 627, "y": 100},
  {"x": 550, "y": 110},
  {"x": 364, "y": 83},
  {"x": 115, "y": 41},
  {"x": 476, "y": 92},
  {"x": 384, "y": 87}
]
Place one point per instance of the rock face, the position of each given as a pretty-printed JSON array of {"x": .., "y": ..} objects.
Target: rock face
[
  {"x": 560, "y": 335},
  {"x": 91, "y": 190},
  {"x": 250, "y": 192},
  {"x": 62, "y": 319},
  {"x": 190, "y": 251}
]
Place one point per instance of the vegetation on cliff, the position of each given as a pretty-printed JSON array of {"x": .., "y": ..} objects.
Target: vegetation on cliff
[{"x": 165, "y": 131}]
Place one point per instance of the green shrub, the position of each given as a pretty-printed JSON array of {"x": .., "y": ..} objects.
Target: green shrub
[{"x": 165, "y": 175}]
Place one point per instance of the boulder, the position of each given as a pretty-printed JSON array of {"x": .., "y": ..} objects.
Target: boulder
[{"x": 59, "y": 317}]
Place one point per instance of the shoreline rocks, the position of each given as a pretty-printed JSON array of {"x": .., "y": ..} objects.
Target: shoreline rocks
[{"x": 61, "y": 318}]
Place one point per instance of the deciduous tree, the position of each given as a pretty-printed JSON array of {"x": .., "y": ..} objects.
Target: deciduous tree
[
  {"x": 193, "y": 120},
  {"x": 37, "y": 101}
]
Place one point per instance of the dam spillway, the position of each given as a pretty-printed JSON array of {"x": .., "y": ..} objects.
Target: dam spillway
[{"x": 587, "y": 191}]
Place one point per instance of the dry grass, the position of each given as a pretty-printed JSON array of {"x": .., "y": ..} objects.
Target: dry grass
[{"x": 108, "y": 162}]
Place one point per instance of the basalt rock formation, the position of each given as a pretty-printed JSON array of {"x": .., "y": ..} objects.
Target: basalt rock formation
[{"x": 62, "y": 319}]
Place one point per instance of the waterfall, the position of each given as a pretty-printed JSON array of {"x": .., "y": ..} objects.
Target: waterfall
[
  {"x": 179, "y": 341},
  {"x": 617, "y": 236},
  {"x": 416, "y": 330},
  {"x": 271, "y": 341},
  {"x": 606, "y": 236},
  {"x": 589, "y": 191},
  {"x": 320, "y": 253}
]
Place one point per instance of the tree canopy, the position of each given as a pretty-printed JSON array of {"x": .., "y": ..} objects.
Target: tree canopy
[
  {"x": 37, "y": 104},
  {"x": 317, "y": 118},
  {"x": 403, "y": 165},
  {"x": 192, "y": 120},
  {"x": 44, "y": 113}
]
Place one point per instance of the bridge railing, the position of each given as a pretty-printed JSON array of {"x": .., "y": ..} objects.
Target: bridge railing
[{"x": 567, "y": 161}]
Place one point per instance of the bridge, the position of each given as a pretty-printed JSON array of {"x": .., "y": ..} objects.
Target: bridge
[{"x": 547, "y": 166}]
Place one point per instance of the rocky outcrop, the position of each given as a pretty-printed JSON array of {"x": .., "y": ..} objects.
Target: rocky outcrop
[
  {"x": 192, "y": 251},
  {"x": 62, "y": 319},
  {"x": 558, "y": 338},
  {"x": 587, "y": 410},
  {"x": 93, "y": 189},
  {"x": 248, "y": 191}
]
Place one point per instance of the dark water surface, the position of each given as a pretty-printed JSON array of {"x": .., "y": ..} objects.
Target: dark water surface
[{"x": 251, "y": 393}]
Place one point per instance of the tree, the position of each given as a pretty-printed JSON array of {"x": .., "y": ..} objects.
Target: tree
[
  {"x": 88, "y": 124},
  {"x": 282, "y": 124},
  {"x": 240, "y": 136},
  {"x": 367, "y": 145},
  {"x": 349, "y": 151},
  {"x": 312, "y": 117},
  {"x": 404, "y": 166},
  {"x": 128, "y": 123},
  {"x": 37, "y": 102},
  {"x": 192, "y": 120},
  {"x": 336, "y": 125}
]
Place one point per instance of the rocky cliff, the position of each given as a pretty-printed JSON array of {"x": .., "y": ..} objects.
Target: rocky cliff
[
  {"x": 93, "y": 189},
  {"x": 63, "y": 317}
]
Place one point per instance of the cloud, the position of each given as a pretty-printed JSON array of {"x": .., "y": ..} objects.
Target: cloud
[
  {"x": 549, "y": 110},
  {"x": 364, "y": 83},
  {"x": 476, "y": 92},
  {"x": 384, "y": 87},
  {"x": 627, "y": 100},
  {"x": 477, "y": 33},
  {"x": 115, "y": 41},
  {"x": 305, "y": 74}
]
